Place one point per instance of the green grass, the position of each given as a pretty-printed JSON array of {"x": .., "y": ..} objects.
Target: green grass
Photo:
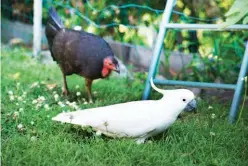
[{"x": 195, "y": 139}]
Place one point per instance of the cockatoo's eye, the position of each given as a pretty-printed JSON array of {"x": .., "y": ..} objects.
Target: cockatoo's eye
[{"x": 184, "y": 100}]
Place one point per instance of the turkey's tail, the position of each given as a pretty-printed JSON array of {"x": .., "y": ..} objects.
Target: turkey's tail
[{"x": 54, "y": 25}]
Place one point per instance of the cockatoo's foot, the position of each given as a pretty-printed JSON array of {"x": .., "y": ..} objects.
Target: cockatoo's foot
[{"x": 140, "y": 140}]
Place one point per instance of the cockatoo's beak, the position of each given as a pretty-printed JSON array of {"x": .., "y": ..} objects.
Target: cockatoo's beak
[{"x": 191, "y": 105}]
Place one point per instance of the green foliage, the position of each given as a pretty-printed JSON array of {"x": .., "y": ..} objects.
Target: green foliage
[
  {"x": 204, "y": 138},
  {"x": 237, "y": 12}
]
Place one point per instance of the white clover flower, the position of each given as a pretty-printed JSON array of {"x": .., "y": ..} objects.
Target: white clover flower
[
  {"x": 32, "y": 122},
  {"x": 213, "y": 116},
  {"x": 56, "y": 97},
  {"x": 33, "y": 138},
  {"x": 21, "y": 109},
  {"x": 78, "y": 93},
  {"x": 10, "y": 92},
  {"x": 210, "y": 107},
  {"x": 41, "y": 98},
  {"x": 20, "y": 98},
  {"x": 98, "y": 133},
  {"x": 61, "y": 104},
  {"x": 35, "y": 84},
  {"x": 77, "y": 87},
  {"x": 34, "y": 101},
  {"x": 20, "y": 126},
  {"x": 11, "y": 98},
  {"x": 212, "y": 133},
  {"x": 16, "y": 114},
  {"x": 46, "y": 106},
  {"x": 38, "y": 105}
]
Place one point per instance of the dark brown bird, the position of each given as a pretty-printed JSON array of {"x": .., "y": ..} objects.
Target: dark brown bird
[{"x": 79, "y": 52}]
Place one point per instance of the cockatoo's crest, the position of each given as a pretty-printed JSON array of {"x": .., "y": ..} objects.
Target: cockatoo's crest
[{"x": 162, "y": 91}]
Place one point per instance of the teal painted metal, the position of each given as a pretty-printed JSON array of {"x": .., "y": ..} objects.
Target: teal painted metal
[
  {"x": 195, "y": 84},
  {"x": 157, "y": 51},
  {"x": 158, "y": 46},
  {"x": 209, "y": 27},
  {"x": 239, "y": 88}
]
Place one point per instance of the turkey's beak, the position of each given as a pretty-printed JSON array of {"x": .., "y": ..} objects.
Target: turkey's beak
[
  {"x": 117, "y": 69},
  {"x": 191, "y": 105}
]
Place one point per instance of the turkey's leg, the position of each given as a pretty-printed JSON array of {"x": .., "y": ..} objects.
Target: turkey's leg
[
  {"x": 88, "y": 84},
  {"x": 65, "y": 87}
]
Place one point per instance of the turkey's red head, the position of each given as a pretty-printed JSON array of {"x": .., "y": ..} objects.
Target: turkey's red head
[{"x": 110, "y": 64}]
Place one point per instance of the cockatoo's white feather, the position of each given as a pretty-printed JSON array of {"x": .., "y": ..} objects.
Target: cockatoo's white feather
[{"x": 137, "y": 119}]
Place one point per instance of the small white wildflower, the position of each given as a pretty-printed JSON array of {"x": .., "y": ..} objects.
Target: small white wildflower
[
  {"x": 17, "y": 104},
  {"x": 67, "y": 102},
  {"x": 11, "y": 98},
  {"x": 61, "y": 104},
  {"x": 54, "y": 92},
  {"x": 21, "y": 109},
  {"x": 149, "y": 142},
  {"x": 35, "y": 84},
  {"x": 34, "y": 101},
  {"x": 20, "y": 126},
  {"x": 56, "y": 97},
  {"x": 10, "y": 92},
  {"x": 16, "y": 114},
  {"x": 213, "y": 116},
  {"x": 48, "y": 116},
  {"x": 24, "y": 93},
  {"x": 24, "y": 101},
  {"x": 212, "y": 133},
  {"x": 20, "y": 98},
  {"x": 18, "y": 84},
  {"x": 94, "y": 92},
  {"x": 98, "y": 133},
  {"x": 78, "y": 93},
  {"x": 32, "y": 122},
  {"x": 91, "y": 102},
  {"x": 33, "y": 138},
  {"x": 38, "y": 105},
  {"x": 210, "y": 107},
  {"x": 41, "y": 98},
  {"x": 85, "y": 102},
  {"x": 77, "y": 87},
  {"x": 46, "y": 106}
]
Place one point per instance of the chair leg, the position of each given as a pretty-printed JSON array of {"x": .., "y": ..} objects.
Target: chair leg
[
  {"x": 239, "y": 87},
  {"x": 158, "y": 47}
]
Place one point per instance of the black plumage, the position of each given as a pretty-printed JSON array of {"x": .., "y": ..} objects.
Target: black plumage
[{"x": 79, "y": 52}]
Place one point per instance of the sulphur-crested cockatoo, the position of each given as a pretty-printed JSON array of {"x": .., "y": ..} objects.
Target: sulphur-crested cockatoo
[{"x": 137, "y": 119}]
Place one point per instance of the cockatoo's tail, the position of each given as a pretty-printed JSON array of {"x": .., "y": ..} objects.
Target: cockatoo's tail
[{"x": 137, "y": 119}]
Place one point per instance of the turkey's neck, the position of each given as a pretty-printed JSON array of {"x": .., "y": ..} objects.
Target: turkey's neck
[{"x": 105, "y": 72}]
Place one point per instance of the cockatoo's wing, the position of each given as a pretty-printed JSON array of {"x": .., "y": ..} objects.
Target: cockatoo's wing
[{"x": 132, "y": 119}]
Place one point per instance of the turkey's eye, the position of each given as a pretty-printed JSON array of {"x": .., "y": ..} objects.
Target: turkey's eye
[{"x": 184, "y": 100}]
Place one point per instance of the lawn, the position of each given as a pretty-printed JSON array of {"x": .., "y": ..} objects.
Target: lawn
[{"x": 30, "y": 98}]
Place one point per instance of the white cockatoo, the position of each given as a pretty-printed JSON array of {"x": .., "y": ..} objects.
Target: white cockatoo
[{"x": 137, "y": 119}]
